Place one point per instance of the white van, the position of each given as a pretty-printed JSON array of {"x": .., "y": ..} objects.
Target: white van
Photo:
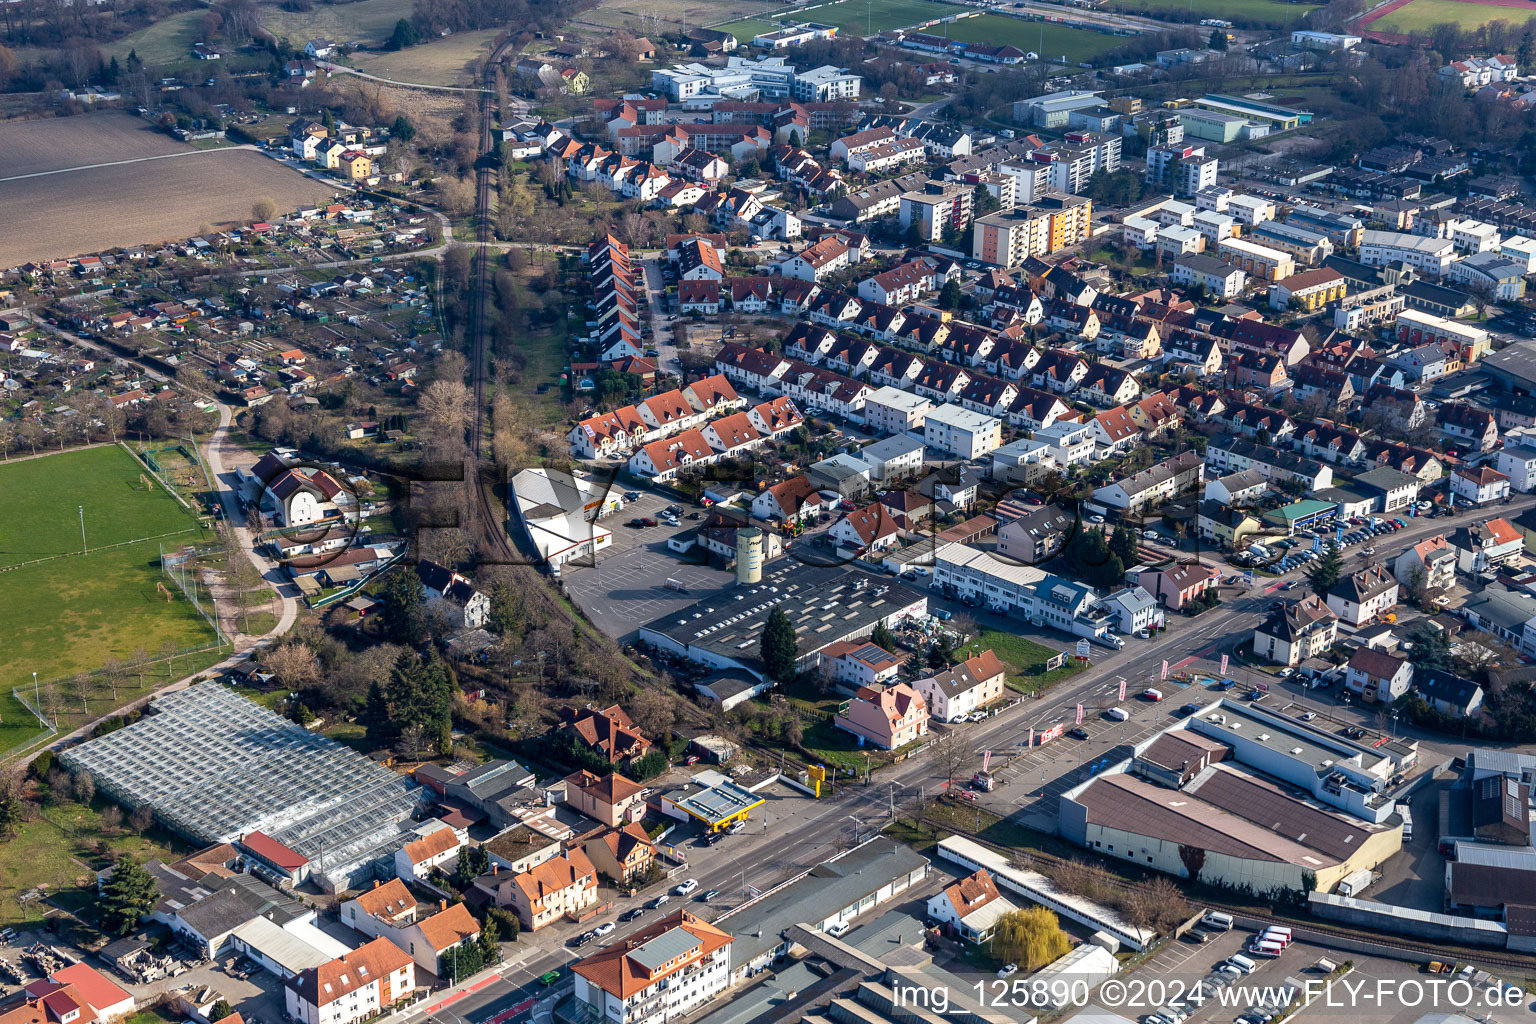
[
  {"x": 1217, "y": 921},
  {"x": 1116, "y": 714},
  {"x": 1277, "y": 932},
  {"x": 1267, "y": 950},
  {"x": 1242, "y": 963}
]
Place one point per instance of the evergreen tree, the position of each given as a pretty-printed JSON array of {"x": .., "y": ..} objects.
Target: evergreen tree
[
  {"x": 461, "y": 961},
  {"x": 1123, "y": 543},
  {"x": 506, "y": 617},
  {"x": 490, "y": 942},
  {"x": 949, "y": 295},
  {"x": 882, "y": 638},
  {"x": 405, "y": 618},
  {"x": 113, "y": 71},
  {"x": 473, "y": 862},
  {"x": 221, "y": 1009},
  {"x": 403, "y": 36},
  {"x": 506, "y": 923},
  {"x": 10, "y": 812},
  {"x": 403, "y": 130},
  {"x": 127, "y": 896},
  {"x": 1218, "y": 39},
  {"x": 780, "y": 646},
  {"x": 379, "y": 730},
  {"x": 1325, "y": 572}
]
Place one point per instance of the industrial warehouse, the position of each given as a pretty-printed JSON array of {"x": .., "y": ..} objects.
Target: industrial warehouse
[
  {"x": 826, "y": 604},
  {"x": 1222, "y": 796},
  {"x": 216, "y": 768}
]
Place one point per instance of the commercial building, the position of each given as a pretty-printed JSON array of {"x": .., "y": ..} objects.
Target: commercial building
[
  {"x": 215, "y": 767},
  {"x": 962, "y": 432},
  {"x": 826, "y": 604},
  {"x": 1279, "y": 118},
  {"x": 558, "y": 512},
  {"x": 1053, "y": 110},
  {"x": 746, "y": 79},
  {"x": 711, "y": 799},
  {"x": 1212, "y": 126},
  {"x": 839, "y": 890},
  {"x": 1210, "y": 798}
]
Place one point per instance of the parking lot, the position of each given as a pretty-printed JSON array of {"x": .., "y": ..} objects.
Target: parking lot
[{"x": 628, "y": 586}]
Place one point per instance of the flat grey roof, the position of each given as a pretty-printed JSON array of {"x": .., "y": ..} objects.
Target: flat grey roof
[
  {"x": 817, "y": 895},
  {"x": 1285, "y": 737},
  {"x": 669, "y": 945},
  {"x": 825, "y": 603}
]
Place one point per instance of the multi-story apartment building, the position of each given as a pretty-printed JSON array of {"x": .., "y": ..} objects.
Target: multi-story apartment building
[
  {"x": 964, "y": 432},
  {"x": 659, "y": 973},
  {"x": 1051, "y": 223},
  {"x": 937, "y": 207},
  {"x": 351, "y": 988},
  {"x": 1432, "y": 256}
]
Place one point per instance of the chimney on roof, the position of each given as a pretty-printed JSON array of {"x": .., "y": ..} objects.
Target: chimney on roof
[
  {"x": 375, "y": 883},
  {"x": 442, "y": 904}
]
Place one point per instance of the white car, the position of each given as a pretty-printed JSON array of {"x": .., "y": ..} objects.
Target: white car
[
  {"x": 837, "y": 928},
  {"x": 686, "y": 887},
  {"x": 1007, "y": 970},
  {"x": 606, "y": 928}
]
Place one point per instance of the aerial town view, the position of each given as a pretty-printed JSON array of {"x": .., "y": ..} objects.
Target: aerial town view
[{"x": 767, "y": 512}]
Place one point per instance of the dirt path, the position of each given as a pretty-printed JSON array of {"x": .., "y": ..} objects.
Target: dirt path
[{"x": 135, "y": 160}]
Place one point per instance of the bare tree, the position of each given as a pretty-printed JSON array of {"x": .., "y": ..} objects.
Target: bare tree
[
  {"x": 139, "y": 659},
  {"x": 111, "y": 818},
  {"x": 113, "y": 673},
  {"x": 294, "y": 663},
  {"x": 141, "y": 819}
]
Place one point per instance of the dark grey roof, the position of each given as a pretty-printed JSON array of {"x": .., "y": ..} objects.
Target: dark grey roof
[
  {"x": 827, "y": 888},
  {"x": 1438, "y": 684}
]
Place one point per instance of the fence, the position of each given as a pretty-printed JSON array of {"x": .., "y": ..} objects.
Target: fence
[
  {"x": 154, "y": 469},
  {"x": 177, "y": 568},
  {"x": 49, "y": 731}
]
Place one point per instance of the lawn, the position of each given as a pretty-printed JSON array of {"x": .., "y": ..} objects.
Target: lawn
[
  {"x": 853, "y": 17},
  {"x": 73, "y": 612},
  {"x": 55, "y": 852},
  {"x": 166, "y": 41},
  {"x": 1424, "y": 15},
  {"x": 1052, "y": 42},
  {"x": 446, "y": 61},
  {"x": 1025, "y": 659}
]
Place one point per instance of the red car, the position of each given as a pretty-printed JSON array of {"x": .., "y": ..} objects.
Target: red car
[{"x": 647, "y": 521}]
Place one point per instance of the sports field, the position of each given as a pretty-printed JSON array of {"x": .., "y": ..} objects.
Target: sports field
[
  {"x": 1423, "y": 15},
  {"x": 1266, "y": 11},
  {"x": 853, "y": 17},
  {"x": 68, "y": 612},
  {"x": 1050, "y": 41}
]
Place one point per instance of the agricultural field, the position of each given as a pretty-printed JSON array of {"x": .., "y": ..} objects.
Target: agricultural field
[
  {"x": 447, "y": 61},
  {"x": 103, "y": 207},
  {"x": 369, "y": 21},
  {"x": 27, "y": 147},
  {"x": 853, "y": 17},
  {"x": 1050, "y": 41},
  {"x": 73, "y": 612},
  {"x": 1423, "y": 15}
]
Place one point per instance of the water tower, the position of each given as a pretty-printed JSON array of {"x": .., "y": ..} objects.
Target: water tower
[{"x": 749, "y": 555}]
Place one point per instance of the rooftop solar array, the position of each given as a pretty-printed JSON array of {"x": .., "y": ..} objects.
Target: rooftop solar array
[{"x": 214, "y": 766}]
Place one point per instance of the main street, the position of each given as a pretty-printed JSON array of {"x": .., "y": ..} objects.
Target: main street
[{"x": 761, "y": 857}]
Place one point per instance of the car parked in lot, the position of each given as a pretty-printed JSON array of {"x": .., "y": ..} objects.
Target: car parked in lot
[{"x": 1079, "y": 733}]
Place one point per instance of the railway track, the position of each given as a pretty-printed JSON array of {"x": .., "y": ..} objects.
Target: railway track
[{"x": 1486, "y": 958}]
